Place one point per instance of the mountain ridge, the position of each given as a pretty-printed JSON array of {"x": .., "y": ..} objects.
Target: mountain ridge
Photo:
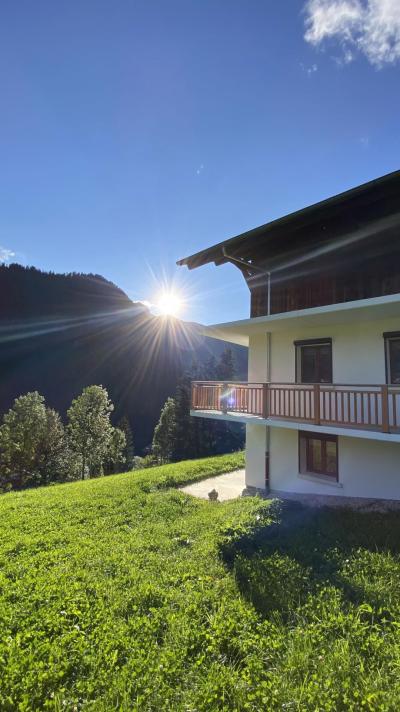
[{"x": 62, "y": 332}]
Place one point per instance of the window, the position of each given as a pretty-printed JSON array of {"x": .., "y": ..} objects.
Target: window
[
  {"x": 392, "y": 355},
  {"x": 318, "y": 454},
  {"x": 314, "y": 361}
]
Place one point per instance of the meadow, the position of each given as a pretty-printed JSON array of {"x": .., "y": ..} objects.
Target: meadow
[{"x": 123, "y": 593}]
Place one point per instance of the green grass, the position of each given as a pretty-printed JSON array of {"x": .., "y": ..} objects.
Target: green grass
[{"x": 122, "y": 593}]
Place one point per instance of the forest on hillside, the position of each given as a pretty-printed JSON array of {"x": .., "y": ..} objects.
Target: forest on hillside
[{"x": 62, "y": 333}]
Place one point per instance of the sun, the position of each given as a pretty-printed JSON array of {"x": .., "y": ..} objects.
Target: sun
[{"x": 169, "y": 303}]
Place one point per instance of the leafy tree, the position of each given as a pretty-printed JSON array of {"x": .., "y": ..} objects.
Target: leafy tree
[
  {"x": 20, "y": 435},
  {"x": 33, "y": 447},
  {"x": 164, "y": 434},
  {"x": 90, "y": 431}
]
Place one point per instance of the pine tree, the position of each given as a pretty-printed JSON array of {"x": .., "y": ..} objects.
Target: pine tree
[
  {"x": 193, "y": 437},
  {"x": 179, "y": 436},
  {"x": 205, "y": 428},
  {"x": 183, "y": 441},
  {"x": 226, "y": 367},
  {"x": 164, "y": 432},
  {"x": 129, "y": 449},
  {"x": 210, "y": 369},
  {"x": 228, "y": 436},
  {"x": 114, "y": 460}
]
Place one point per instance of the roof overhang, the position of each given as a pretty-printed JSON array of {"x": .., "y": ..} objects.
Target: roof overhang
[
  {"x": 363, "y": 310},
  {"x": 247, "y": 249}
]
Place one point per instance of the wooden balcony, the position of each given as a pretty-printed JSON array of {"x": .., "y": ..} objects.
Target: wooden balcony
[{"x": 363, "y": 407}]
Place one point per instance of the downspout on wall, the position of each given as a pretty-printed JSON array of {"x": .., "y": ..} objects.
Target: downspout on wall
[
  {"x": 268, "y": 294},
  {"x": 267, "y": 439}
]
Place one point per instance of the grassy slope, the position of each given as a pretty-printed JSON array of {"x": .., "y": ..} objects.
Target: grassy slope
[{"x": 120, "y": 593}]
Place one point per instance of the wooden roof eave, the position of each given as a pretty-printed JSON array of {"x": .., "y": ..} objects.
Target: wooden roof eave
[{"x": 253, "y": 244}]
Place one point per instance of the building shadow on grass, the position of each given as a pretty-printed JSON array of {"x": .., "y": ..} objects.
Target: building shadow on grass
[{"x": 305, "y": 550}]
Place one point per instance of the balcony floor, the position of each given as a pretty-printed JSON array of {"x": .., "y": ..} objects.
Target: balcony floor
[{"x": 344, "y": 430}]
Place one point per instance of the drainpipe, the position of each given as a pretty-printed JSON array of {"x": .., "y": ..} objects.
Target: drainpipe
[
  {"x": 268, "y": 356},
  {"x": 267, "y": 436},
  {"x": 268, "y": 293}
]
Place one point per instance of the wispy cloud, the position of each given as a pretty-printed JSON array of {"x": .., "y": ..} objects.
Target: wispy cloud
[
  {"x": 6, "y": 255},
  {"x": 309, "y": 70},
  {"x": 371, "y": 27},
  {"x": 364, "y": 140}
]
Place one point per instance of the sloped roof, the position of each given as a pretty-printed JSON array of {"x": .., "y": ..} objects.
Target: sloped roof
[{"x": 245, "y": 247}]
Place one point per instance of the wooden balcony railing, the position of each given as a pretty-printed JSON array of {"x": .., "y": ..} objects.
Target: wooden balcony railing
[{"x": 367, "y": 407}]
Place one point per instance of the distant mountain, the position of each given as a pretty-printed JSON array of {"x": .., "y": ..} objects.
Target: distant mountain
[
  {"x": 62, "y": 332},
  {"x": 27, "y": 292}
]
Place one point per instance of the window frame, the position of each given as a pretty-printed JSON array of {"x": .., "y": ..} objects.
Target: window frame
[
  {"x": 388, "y": 337},
  {"x": 299, "y": 345},
  {"x": 304, "y": 469}
]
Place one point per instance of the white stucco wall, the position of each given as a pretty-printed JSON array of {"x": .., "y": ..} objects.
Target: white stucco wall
[
  {"x": 256, "y": 445},
  {"x": 358, "y": 354},
  {"x": 367, "y": 468},
  {"x": 258, "y": 358}
]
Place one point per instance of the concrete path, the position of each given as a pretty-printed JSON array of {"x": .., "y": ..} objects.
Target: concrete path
[{"x": 228, "y": 486}]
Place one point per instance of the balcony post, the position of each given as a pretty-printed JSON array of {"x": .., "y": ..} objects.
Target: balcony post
[
  {"x": 385, "y": 409},
  {"x": 265, "y": 404},
  {"x": 222, "y": 402},
  {"x": 317, "y": 404}
]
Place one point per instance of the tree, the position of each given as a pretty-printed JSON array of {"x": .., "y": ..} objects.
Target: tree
[
  {"x": 210, "y": 369},
  {"x": 89, "y": 429},
  {"x": 184, "y": 440},
  {"x": 164, "y": 434},
  {"x": 20, "y": 435},
  {"x": 178, "y": 436},
  {"x": 226, "y": 368},
  {"x": 227, "y": 436},
  {"x": 33, "y": 448},
  {"x": 56, "y": 461},
  {"x": 129, "y": 448},
  {"x": 115, "y": 460}
]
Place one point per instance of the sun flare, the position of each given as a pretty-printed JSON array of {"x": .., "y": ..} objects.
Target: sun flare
[{"x": 169, "y": 304}]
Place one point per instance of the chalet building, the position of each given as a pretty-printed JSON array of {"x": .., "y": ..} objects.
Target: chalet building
[{"x": 322, "y": 404}]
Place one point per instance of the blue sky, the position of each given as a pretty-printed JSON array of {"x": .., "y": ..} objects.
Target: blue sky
[{"x": 134, "y": 133}]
